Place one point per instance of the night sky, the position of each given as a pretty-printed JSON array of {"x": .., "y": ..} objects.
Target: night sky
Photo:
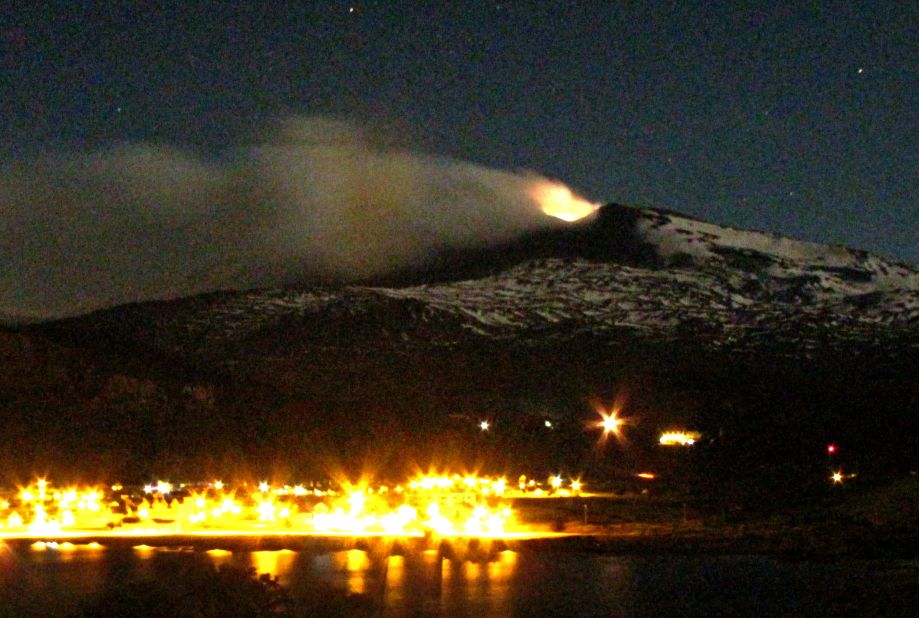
[{"x": 801, "y": 120}]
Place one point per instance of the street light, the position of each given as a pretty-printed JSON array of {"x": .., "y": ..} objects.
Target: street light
[{"x": 609, "y": 423}]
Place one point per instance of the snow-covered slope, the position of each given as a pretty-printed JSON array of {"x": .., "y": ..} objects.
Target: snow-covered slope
[
  {"x": 715, "y": 286},
  {"x": 721, "y": 304},
  {"x": 836, "y": 270},
  {"x": 680, "y": 279}
]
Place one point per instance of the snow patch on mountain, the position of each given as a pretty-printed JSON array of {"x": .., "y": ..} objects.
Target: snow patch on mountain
[
  {"x": 833, "y": 269},
  {"x": 716, "y": 303},
  {"x": 713, "y": 286}
]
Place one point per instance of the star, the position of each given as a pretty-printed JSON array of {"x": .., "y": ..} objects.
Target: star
[{"x": 484, "y": 425}]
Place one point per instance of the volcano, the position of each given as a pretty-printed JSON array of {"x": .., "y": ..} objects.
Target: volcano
[{"x": 728, "y": 330}]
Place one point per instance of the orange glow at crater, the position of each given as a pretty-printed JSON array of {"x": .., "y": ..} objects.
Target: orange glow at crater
[{"x": 557, "y": 200}]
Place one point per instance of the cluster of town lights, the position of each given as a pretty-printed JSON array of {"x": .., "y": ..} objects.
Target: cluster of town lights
[{"x": 441, "y": 505}]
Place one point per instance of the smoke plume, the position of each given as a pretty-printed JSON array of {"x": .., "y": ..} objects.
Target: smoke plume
[{"x": 315, "y": 199}]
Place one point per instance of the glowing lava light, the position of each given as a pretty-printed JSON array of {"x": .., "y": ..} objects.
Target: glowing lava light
[{"x": 557, "y": 200}]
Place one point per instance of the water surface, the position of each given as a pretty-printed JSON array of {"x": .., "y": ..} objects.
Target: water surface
[{"x": 54, "y": 581}]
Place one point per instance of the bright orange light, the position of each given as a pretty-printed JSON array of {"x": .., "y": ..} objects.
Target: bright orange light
[
  {"x": 646, "y": 475},
  {"x": 557, "y": 200},
  {"x": 610, "y": 423},
  {"x": 837, "y": 478}
]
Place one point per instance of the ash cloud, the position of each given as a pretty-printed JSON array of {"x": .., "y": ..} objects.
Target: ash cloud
[{"x": 316, "y": 199}]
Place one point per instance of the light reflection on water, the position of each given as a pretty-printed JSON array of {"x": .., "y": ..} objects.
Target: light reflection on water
[
  {"x": 420, "y": 581},
  {"x": 51, "y": 580},
  {"x": 279, "y": 563}
]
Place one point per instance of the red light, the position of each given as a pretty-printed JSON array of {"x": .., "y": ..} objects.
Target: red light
[{"x": 830, "y": 449}]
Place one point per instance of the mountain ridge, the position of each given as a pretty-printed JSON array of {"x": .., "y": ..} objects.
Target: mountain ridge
[
  {"x": 652, "y": 272},
  {"x": 741, "y": 332}
]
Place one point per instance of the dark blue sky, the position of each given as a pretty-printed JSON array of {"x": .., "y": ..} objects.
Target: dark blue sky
[{"x": 801, "y": 120}]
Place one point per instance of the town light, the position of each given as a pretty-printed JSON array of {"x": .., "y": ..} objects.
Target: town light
[
  {"x": 679, "y": 438},
  {"x": 610, "y": 423}
]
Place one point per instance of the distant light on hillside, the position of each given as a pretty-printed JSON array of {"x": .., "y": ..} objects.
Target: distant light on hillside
[
  {"x": 557, "y": 200},
  {"x": 679, "y": 438}
]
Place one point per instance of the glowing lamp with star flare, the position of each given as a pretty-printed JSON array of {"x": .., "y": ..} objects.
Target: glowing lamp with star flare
[{"x": 610, "y": 423}]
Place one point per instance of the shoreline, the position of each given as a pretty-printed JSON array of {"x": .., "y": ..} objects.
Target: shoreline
[{"x": 629, "y": 539}]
